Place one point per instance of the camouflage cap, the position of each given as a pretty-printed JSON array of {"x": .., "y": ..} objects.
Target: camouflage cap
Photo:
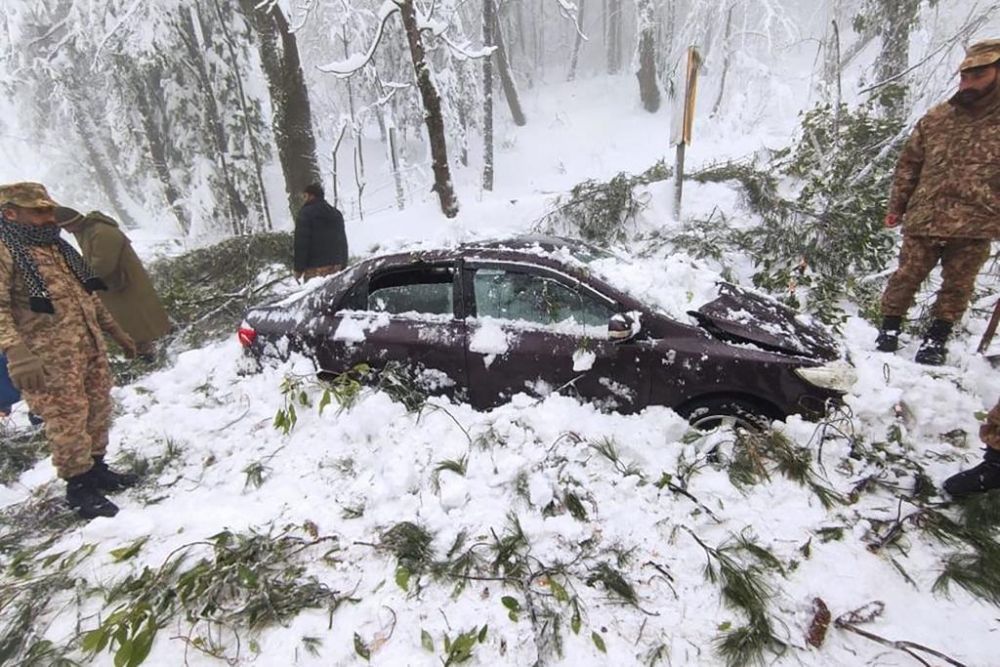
[
  {"x": 981, "y": 54},
  {"x": 26, "y": 195}
]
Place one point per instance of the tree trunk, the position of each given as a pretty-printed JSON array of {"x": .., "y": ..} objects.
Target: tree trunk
[
  {"x": 521, "y": 38},
  {"x": 80, "y": 92},
  {"x": 897, "y": 18},
  {"x": 614, "y": 36},
  {"x": 292, "y": 118},
  {"x": 234, "y": 65},
  {"x": 577, "y": 43},
  {"x": 837, "y": 95},
  {"x": 488, "y": 23},
  {"x": 725, "y": 60},
  {"x": 649, "y": 92},
  {"x": 432, "y": 111},
  {"x": 235, "y": 208},
  {"x": 336, "y": 149},
  {"x": 106, "y": 179},
  {"x": 506, "y": 80},
  {"x": 397, "y": 175},
  {"x": 147, "y": 87}
]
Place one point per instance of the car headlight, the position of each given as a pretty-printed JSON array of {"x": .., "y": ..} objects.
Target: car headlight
[{"x": 836, "y": 375}]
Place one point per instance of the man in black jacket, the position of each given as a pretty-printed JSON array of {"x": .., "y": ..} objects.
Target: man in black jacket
[{"x": 320, "y": 241}]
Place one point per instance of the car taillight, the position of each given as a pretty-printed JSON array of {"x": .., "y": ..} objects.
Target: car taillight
[{"x": 246, "y": 335}]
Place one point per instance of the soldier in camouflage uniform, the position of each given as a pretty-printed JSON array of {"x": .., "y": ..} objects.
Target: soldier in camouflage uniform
[
  {"x": 51, "y": 331},
  {"x": 946, "y": 194},
  {"x": 986, "y": 475}
]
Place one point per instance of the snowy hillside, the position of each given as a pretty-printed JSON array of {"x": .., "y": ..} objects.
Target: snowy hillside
[
  {"x": 542, "y": 532},
  {"x": 281, "y": 521}
]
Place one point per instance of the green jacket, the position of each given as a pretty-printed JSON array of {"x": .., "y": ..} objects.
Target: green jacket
[{"x": 130, "y": 297}]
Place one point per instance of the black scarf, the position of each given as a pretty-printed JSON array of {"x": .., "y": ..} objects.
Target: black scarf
[{"x": 18, "y": 237}]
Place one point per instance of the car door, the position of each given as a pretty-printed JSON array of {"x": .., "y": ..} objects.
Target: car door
[
  {"x": 404, "y": 318},
  {"x": 536, "y": 331}
]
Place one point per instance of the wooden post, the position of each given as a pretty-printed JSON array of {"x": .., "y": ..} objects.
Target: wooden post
[
  {"x": 991, "y": 329},
  {"x": 683, "y": 123},
  {"x": 679, "y": 180}
]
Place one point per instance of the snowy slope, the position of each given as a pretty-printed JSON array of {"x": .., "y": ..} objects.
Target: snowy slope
[{"x": 351, "y": 474}]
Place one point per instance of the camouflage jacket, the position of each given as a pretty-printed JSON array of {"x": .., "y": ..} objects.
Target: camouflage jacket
[
  {"x": 78, "y": 314},
  {"x": 947, "y": 181}
]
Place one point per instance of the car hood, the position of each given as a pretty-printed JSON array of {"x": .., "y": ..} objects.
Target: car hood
[{"x": 741, "y": 316}]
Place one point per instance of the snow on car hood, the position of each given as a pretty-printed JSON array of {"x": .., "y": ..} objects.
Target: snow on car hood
[{"x": 745, "y": 316}]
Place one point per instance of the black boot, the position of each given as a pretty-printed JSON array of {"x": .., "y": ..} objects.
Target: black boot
[
  {"x": 106, "y": 479},
  {"x": 87, "y": 501},
  {"x": 888, "y": 334},
  {"x": 984, "y": 477},
  {"x": 933, "y": 350}
]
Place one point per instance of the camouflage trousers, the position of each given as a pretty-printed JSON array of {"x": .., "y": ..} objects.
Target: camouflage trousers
[
  {"x": 318, "y": 271},
  {"x": 75, "y": 404},
  {"x": 960, "y": 260},
  {"x": 989, "y": 432}
]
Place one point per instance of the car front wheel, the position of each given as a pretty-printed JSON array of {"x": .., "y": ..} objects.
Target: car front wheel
[{"x": 735, "y": 413}]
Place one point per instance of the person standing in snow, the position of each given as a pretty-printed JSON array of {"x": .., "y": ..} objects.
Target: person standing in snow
[
  {"x": 130, "y": 296},
  {"x": 946, "y": 195},
  {"x": 320, "y": 240},
  {"x": 986, "y": 475},
  {"x": 50, "y": 331}
]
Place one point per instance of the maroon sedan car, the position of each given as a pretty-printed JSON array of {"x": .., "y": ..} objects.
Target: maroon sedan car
[{"x": 484, "y": 321}]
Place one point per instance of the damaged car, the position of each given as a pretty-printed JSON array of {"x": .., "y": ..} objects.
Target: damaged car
[{"x": 484, "y": 321}]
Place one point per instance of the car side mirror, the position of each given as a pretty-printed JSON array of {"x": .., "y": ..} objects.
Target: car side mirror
[{"x": 623, "y": 326}]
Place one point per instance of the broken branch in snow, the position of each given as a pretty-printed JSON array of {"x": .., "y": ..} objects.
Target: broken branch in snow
[{"x": 849, "y": 620}]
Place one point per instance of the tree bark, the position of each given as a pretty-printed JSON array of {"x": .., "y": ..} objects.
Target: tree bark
[
  {"x": 488, "y": 23},
  {"x": 99, "y": 162},
  {"x": 897, "y": 18},
  {"x": 506, "y": 80},
  {"x": 725, "y": 60},
  {"x": 577, "y": 43},
  {"x": 235, "y": 208},
  {"x": 82, "y": 100},
  {"x": 432, "y": 111},
  {"x": 146, "y": 84},
  {"x": 292, "y": 118},
  {"x": 234, "y": 65},
  {"x": 614, "y": 36},
  {"x": 649, "y": 92}
]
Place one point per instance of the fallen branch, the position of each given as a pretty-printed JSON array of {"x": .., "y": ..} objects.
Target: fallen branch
[{"x": 847, "y": 622}]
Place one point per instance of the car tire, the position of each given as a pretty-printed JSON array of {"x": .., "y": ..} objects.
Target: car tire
[{"x": 713, "y": 412}]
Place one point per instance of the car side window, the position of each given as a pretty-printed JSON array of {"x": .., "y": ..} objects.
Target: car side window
[
  {"x": 513, "y": 295},
  {"x": 427, "y": 291}
]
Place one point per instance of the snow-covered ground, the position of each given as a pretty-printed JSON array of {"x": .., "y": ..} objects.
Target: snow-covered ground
[{"x": 354, "y": 473}]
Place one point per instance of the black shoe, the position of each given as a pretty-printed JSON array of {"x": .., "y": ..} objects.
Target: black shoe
[
  {"x": 984, "y": 477},
  {"x": 87, "y": 501},
  {"x": 933, "y": 350},
  {"x": 888, "y": 334},
  {"x": 106, "y": 479}
]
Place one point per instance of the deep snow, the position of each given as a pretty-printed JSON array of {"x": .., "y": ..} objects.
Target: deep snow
[{"x": 523, "y": 457}]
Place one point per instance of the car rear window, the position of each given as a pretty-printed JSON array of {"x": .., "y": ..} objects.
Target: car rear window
[{"x": 423, "y": 291}]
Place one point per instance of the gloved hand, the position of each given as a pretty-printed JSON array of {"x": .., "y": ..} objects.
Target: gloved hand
[
  {"x": 26, "y": 370},
  {"x": 989, "y": 432},
  {"x": 893, "y": 220},
  {"x": 124, "y": 341}
]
